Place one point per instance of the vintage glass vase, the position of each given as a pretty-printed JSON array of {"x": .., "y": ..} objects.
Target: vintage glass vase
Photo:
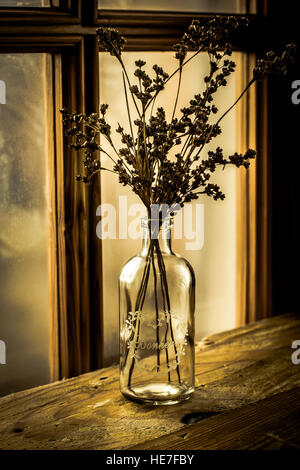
[{"x": 157, "y": 300}]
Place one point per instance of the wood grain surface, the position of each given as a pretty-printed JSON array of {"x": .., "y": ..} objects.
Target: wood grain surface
[
  {"x": 233, "y": 369},
  {"x": 270, "y": 424}
]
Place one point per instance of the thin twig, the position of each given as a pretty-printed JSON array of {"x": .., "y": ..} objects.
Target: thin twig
[
  {"x": 156, "y": 313},
  {"x": 128, "y": 110},
  {"x": 172, "y": 75},
  {"x": 224, "y": 114},
  {"x": 177, "y": 94}
]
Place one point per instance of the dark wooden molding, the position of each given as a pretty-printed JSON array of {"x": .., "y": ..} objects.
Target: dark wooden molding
[
  {"x": 263, "y": 207},
  {"x": 246, "y": 217},
  {"x": 263, "y": 307},
  {"x": 42, "y": 16},
  {"x": 154, "y": 18},
  {"x": 92, "y": 99},
  {"x": 68, "y": 12},
  {"x": 72, "y": 231},
  {"x": 53, "y": 103},
  {"x": 10, "y": 17},
  {"x": 80, "y": 262},
  {"x": 146, "y": 30},
  {"x": 254, "y": 229},
  {"x": 254, "y": 300},
  {"x": 55, "y": 44}
]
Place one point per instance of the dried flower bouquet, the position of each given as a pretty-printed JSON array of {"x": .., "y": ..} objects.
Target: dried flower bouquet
[{"x": 143, "y": 162}]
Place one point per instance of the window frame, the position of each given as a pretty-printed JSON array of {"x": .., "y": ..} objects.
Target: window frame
[{"x": 68, "y": 33}]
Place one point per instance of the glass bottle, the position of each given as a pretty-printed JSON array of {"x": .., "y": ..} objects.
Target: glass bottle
[{"x": 157, "y": 301}]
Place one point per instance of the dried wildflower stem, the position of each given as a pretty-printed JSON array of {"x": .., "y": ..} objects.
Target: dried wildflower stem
[
  {"x": 177, "y": 94},
  {"x": 169, "y": 312},
  {"x": 141, "y": 293},
  {"x": 167, "y": 326},
  {"x": 206, "y": 94},
  {"x": 152, "y": 107},
  {"x": 118, "y": 56},
  {"x": 154, "y": 249},
  {"x": 174, "y": 73},
  {"x": 139, "y": 307},
  {"x": 127, "y": 106},
  {"x": 224, "y": 114},
  {"x": 156, "y": 313}
]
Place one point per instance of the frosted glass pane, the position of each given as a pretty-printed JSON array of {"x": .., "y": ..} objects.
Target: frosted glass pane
[
  {"x": 24, "y": 322},
  {"x": 215, "y": 6},
  {"x": 25, "y": 3},
  {"x": 215, "y": 263}
]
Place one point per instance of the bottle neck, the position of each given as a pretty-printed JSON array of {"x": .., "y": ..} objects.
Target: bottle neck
[{"x": 159, "y": 232}]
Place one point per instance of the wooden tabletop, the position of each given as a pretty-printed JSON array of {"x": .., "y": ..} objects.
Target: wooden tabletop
[{"x": 246, "y": 396}]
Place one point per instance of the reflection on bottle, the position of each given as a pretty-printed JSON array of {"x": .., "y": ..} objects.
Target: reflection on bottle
[
  {"x": 2, "y": 92},
  {"x": 2, "y": 352}
]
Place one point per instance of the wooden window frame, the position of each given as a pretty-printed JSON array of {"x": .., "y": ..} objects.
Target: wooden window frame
[{"x": 68, "y": 33}]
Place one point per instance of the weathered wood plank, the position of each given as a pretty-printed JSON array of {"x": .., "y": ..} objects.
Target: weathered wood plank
[
  {"x": 233, "y": 369},
  {"x": 272, "y": 423}
]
